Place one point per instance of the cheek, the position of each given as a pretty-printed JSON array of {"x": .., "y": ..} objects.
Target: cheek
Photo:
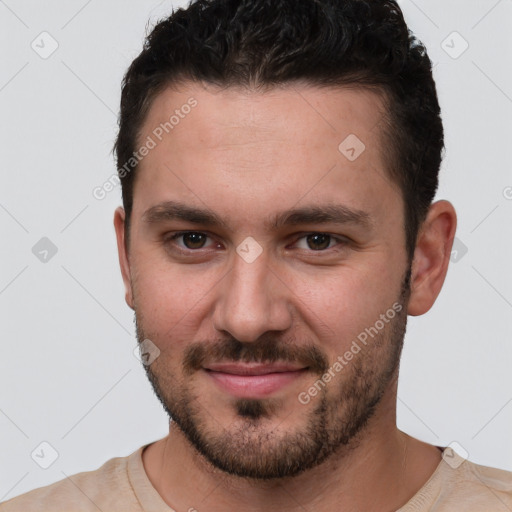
[
  {"x": 171, "y": 300},
  {"x": 343, "y": 303}
]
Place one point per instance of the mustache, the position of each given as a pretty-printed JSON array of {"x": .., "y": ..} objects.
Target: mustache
[{"x": 267, "y": 350}]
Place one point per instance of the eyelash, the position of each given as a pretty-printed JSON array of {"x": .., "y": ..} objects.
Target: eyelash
[{"x": 341, "y": 241}]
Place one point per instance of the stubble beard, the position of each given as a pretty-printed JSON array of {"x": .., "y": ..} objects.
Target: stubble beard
[{"x": 253, "y": 446}]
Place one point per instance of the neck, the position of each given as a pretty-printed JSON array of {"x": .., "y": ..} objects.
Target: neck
[{"x": 384, "y": 460}]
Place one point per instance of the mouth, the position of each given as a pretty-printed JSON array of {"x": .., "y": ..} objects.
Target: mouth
[{"x": 253, "y": 380}]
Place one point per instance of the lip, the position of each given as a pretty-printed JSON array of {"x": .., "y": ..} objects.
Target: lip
[{"x": 253, "y": 380}]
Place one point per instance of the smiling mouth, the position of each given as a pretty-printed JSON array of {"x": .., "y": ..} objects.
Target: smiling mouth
[{"x": 253, "y": 380}]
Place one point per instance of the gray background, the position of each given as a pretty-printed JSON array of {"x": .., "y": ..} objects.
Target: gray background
[{"x": 68, "y": 375}]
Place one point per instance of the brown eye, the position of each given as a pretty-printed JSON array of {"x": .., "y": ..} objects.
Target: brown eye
[
  {"x": 321, "y": 243},
  {"x": 318, "y": 241},
  {"x": 194, "y": 240}
]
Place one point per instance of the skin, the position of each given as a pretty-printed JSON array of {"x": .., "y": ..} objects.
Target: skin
[{"x": 248, "y": 156}]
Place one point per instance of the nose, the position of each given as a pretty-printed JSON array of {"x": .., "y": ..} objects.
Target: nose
[{"x": 252, "y": 300}]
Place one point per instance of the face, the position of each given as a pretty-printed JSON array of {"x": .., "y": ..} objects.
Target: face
[{"x": 267, "y": 264}]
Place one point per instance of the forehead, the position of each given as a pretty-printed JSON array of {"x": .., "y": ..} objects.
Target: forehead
[
  {"x": 275, "y": 110},
  {"x": 237, "y": 149}
]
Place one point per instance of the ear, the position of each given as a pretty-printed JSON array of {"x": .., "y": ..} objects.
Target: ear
[
  {"x": 124, "y": 263},
  {"x": 431, "y": 256}
]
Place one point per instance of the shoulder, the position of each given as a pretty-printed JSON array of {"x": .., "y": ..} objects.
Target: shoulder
[
  {"x": 462, "y": 485},
  {"x": 106, "y": 488},
  {"x": 491, "y": 487}
]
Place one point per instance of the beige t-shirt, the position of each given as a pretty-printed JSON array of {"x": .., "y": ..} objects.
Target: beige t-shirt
[{"x": 121, "y": 485}]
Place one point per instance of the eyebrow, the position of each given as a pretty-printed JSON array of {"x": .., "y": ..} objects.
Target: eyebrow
[{"x": 314, "y": 214}]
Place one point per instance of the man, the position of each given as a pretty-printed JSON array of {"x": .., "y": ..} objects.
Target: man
[{"x": 278, "y": 163}]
